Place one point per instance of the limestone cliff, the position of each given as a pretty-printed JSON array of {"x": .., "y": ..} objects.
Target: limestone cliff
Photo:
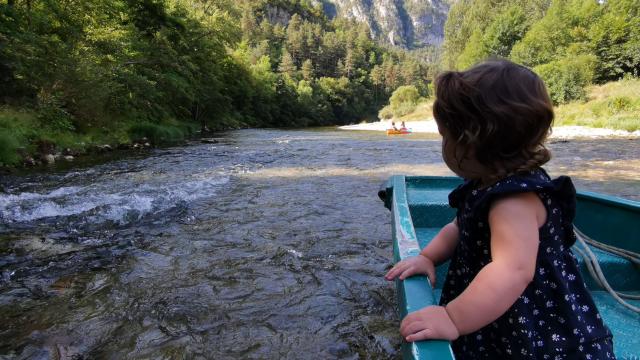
[{"x": 405, "y": 23}]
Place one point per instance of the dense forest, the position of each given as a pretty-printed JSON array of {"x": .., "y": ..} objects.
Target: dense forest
[
  {"x": 569, "y": 43},
  {"x": 76, "y": 72}
]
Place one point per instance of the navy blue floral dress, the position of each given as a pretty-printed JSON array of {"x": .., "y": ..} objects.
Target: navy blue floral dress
[{"x": 555, "y": 317}]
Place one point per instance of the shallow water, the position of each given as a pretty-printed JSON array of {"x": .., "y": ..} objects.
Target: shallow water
[{"x": 268, "y": 244}]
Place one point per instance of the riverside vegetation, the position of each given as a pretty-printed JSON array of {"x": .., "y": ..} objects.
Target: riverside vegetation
[
  {"x": 586, "y": 51},
  {"x": 80, "y": 74},
  {"x": 613, "y": 105},
  {"x": 76, "y": 74}
]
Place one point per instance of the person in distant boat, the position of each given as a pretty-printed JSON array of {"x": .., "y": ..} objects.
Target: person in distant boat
[
  {"x": 393, "y": 126},
  {"x": 403, "y": 126},
  {"x": 513, "y": 289}
]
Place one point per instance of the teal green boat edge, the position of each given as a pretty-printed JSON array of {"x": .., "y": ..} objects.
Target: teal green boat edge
[
  {"x": 414, "y": 293},
  {"x": 605, "y": 218},
  {"x": 609, "y": 200}
]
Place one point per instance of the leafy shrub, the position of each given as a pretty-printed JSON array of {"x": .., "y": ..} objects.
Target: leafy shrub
[
  {"x": 620, "y": 103},
  {"x": 567, "y": 78},
  {"x": 8, "y": 148},
  {"x": 386, "y": 113},
  {"x": 404, "y": 100},
  {"x": 52, "y": 115},
  {"x": 404, "y": 94},
  {"x": 404, "y": 109}
]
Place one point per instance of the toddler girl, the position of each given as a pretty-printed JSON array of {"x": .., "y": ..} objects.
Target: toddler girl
[{"x": 513, "y": 289}]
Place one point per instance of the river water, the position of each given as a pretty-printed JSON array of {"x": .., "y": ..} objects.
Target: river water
[{"x": 267, "y": 244}]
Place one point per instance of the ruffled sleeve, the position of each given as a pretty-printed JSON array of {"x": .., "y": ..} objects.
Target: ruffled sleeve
[
  {"x": 459, "y": 194},
  {"x": 561, "y": 189},
  {"x": 565, "y": 193}
]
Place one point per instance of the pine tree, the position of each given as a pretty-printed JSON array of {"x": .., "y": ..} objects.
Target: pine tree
[
  {"x": 307, "y": 70},
  {"x": 287, "y": 65}
]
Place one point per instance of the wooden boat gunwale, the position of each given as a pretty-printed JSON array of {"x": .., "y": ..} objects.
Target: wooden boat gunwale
[{"x": 415, "y": 292}]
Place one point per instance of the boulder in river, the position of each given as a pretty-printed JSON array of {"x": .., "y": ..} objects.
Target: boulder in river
[
  {"x": 29, "y": 161},
  {"x": 48, "y": 159}
]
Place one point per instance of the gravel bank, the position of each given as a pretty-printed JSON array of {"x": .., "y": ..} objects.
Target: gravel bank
[{"x": 559, "y": 132}]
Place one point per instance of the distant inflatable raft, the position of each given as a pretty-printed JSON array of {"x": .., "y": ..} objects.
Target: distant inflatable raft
[{"x": 398, "y": 132}]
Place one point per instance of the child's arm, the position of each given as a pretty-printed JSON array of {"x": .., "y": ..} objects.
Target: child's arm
[
  {"x": 439, "y": 250},
  {"x": 514, "y": 223},
  {"x": 444, "y": 244}
]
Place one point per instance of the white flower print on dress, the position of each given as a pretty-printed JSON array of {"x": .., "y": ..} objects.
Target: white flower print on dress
[{"x": 545, "y": 308}]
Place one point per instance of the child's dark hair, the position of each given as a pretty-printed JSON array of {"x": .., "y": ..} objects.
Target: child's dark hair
[{"x": 499, "y": 112}]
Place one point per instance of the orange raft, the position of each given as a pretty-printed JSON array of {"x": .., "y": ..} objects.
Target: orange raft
[{"x": 402, "y": 131}]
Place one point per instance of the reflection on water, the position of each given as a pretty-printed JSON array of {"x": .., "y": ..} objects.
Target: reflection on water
[{"x": 268, "y": 244}]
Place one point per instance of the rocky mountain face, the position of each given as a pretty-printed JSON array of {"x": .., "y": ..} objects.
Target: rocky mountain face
[{"x": 405, "y": 23}]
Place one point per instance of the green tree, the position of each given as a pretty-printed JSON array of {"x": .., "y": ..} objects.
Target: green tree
[
  {"x": 505, "y": 31},
  {"x": 567, "y": 78},
  {"x": 615, "y": 39},
  {"x": 404, "y": 100},
  {"x": 307, "y": 70},
  {"x": 287, "y": 64}
]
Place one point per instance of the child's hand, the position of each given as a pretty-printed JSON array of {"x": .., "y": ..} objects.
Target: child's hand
[
  {"x": 411, "y": 266},
  {"x": 432, "y": 322}
]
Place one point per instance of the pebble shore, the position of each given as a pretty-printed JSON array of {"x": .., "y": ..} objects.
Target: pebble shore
[{"x": 559, "y": 132}]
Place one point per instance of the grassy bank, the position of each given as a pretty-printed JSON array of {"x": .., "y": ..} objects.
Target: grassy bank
[
  {"x": 614, "y": 105},
  {"x": 26, "y": 137}
]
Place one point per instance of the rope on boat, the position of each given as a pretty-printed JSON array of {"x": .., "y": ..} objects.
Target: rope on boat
[
  {"x": 623, "y": 253},
  {"x": 596, "y": 271}
]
